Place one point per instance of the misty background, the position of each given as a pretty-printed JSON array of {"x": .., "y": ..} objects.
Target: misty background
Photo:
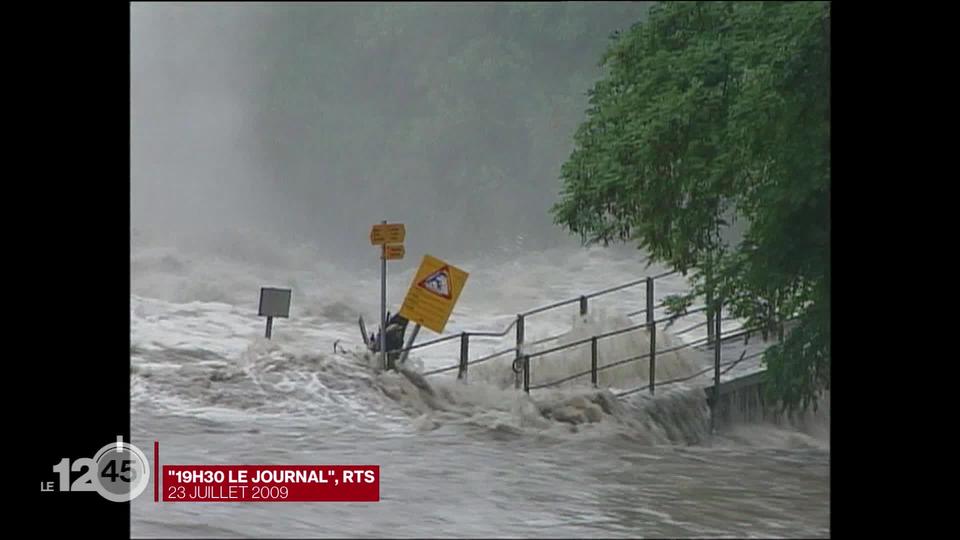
[{"x": 306, "y": 123}]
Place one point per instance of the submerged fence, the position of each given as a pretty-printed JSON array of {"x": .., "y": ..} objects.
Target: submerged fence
[
  {"x": 519, "y": 325},
  {"x": 522, "y": 360}
]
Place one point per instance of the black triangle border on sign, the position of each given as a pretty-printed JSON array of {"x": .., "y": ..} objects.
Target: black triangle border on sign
[{"x": 423, "y": 282}]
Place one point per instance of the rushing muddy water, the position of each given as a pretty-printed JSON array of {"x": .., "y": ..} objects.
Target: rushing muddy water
[{"x": 476, "y": 459}]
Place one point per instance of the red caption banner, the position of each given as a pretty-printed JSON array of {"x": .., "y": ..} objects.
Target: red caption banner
[{"x": 271, "y": 483}]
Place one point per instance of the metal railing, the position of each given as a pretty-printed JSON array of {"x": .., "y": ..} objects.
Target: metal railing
[
  {"x": 594, "y": 370},
  {"x": 651, "y": 329},
  {"x": 521, "y": 363},
  {"x": 519, "y": 324}
]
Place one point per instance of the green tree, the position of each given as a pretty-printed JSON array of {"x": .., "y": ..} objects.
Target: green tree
[{"x": 710, "y": 112}]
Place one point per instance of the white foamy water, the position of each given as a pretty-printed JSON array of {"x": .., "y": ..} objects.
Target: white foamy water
[{"x": 475, "y": 459}]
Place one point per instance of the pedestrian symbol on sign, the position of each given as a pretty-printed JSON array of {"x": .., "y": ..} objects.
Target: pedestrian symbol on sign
[{"x": 438, "y": 282}]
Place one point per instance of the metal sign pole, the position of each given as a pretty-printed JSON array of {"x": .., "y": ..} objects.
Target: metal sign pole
[
  {"x": 269, "y": 326},
  {"x": 383, "y": 304}
]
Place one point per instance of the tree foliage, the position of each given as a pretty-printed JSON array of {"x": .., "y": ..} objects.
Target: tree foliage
[{"x": 712, "y": 114}]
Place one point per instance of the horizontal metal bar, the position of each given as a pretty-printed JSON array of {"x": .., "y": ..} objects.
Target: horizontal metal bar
[
  {"x": 594, "y": 294},
  {"x": 689, "y": 328},
  {"x": 486, "y": 334},
  {"x": 695, "y": 375},
  {"x": 680, "y": 379},
  {"x": 492, "y": 356},
  {"x": 696, "y": 343},
  {"x": 625, "y": 361},
  {"x": 610, "y": 334},
  {"x": 621, "y": 331},
  {"x": 665, "y": 274},
  {"x": 472, "y": 362},
  {"x": 641, "y": 357},
  {"x": 681, "y": 315},
  {"x": 647, "y": 354},
  {"x": 561, "y": 381},
  {"x": 644, "y": 310},
  {"x": 560, "y": 348},
  {"x": 550, "y": 306},
  {"x": 669, "y": 317},
  {"x": 544, "y": 340},
  {"x": 700, "y": 373},
  {"x": 741, "y": 359},
  {"x": 495, "y": 334},
  {"x": 738, "y": 333},
  {"x": 616, "y": 288},
  {"x": 456, "y": 336},
  {"x": 664, "y": 383},
  {"x": 441, "y": 370},
  {"x": 431, "y": 342},
  {"x": 633, "y": 391}
]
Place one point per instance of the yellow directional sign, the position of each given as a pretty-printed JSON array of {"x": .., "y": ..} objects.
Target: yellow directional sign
[
  {"x": 433, "y": 293},
  {"x": 387, "y": 233},
  {"x": 393, "y": 251}
]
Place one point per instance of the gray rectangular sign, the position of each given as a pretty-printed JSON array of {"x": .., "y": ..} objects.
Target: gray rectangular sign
[{"x": 274, "y": 302}]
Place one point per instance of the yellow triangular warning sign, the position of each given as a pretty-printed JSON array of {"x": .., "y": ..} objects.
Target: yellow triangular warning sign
[{"x": 438, "y": 283}]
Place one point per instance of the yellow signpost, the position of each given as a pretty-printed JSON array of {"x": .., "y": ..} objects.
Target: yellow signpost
[
  {"x": 389, "y": 236},
  {"x": 393, "y": 251},
  {"x": 433, "y": 293},
  {"x": 387, "y": 233}
]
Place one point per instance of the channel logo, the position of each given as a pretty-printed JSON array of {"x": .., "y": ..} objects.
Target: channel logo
[{"x": 119, "y": 472}]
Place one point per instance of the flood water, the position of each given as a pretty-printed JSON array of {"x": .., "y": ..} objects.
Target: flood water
[{"x": 467, "y": 460}]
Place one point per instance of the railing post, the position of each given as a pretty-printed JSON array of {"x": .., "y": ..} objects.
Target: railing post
[
  {"x": 716, "y": 369},
  {"x": 526, "y": 373},
  {"x": 519, "y": 347},
  {"x": 710, "y": 317},
  {"x": 653, "y": 355},
  {"x": 583, "y": 306},
  {"x": 649, "y": 300},
  {"x": 593, "y": 360},
  {"x": 464, "y": 355}
]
